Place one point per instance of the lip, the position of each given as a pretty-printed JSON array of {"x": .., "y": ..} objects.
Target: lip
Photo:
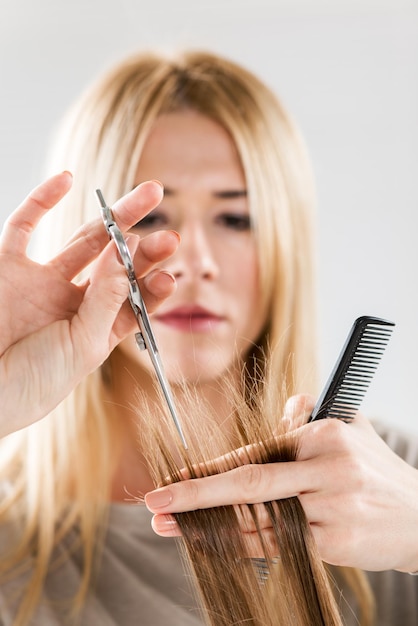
[{"x": 190, "y": 318}]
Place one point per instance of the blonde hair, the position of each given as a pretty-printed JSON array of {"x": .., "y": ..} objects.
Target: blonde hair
[
  {"x": 100, "y": 142},
  {"x": 102, "y": 139}
]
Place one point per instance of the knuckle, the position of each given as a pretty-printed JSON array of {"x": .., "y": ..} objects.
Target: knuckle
[
  {"x": 249, "y": 481},
  {"x": 191, "y": 492},
  {"x": 24, "y": 225},
  {"x": 336, "y": 432},
  {"x": 88, "y": 236},
  {"x": 360, "y": 477}
]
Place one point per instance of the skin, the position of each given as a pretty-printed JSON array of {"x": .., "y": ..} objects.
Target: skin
[
  {"x": 214, "y": 314},
  {"x": 54, "y": 331}
]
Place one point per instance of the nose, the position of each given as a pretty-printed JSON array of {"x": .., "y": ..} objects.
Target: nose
[{"x": 194, "y": 258}]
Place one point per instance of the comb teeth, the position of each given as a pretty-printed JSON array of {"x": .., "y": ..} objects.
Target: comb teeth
[
  {"x": 262, "y": 568},
  {"x": 355, "y": 368}
]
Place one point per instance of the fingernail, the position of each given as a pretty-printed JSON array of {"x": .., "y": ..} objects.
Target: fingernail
[
  {"x": 154, "y": 180},
  {"x": 169, "y": 274},
  {"x": 176, "y": 234},
  {"x": 165, "y": 525},
  {"x": 158, "y": 499}
]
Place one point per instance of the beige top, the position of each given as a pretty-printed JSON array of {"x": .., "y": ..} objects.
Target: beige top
[{"x": 143, "y": 582}]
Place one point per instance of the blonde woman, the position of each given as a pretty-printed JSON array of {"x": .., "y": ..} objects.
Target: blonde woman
[{"x": 238, "y": 190}]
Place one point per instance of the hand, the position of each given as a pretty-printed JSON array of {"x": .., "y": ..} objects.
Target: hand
[
  {"x": 360, "y": 498},
  {"x": 54, "y": 331}
]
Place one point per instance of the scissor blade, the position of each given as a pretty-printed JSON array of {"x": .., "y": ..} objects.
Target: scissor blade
[
  {"x": 140, "y": 311},
  {"x": 158, "y": 366}
]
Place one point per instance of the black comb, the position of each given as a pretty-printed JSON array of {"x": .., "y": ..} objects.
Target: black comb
[{"x": 355, "y": 367}]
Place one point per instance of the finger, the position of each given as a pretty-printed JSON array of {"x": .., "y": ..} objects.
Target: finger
[
  {"x": 132, "y": 207},
  {"x": 336, "y": 544},
  {"x": 156, "y": 287},
  {"x": 152, "y": 249},
  {"x": 21, "y": 223},
  {"x": 104, "y": 296},
  {"x": 331, "y": 436},
  {"x": 250, "y": 520},
  {"x": 90, "y": 239},
  {"x": 247, "y": 484},
  {"x": 155, "y": 248},
  {"x": 167, "y": 526},
  {"x": 298, "y": 410}
]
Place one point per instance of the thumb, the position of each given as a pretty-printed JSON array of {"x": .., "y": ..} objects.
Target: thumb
[{"x": 297, "y": 410}]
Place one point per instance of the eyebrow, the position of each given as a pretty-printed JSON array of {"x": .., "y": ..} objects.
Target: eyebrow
[{"x": 224, "y": 194}]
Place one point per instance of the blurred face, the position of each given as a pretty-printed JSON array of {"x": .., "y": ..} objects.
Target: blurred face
[{"x": 214, "y": 316}]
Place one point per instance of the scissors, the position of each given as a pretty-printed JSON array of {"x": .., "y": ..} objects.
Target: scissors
[{"x": 145, "y": 337}]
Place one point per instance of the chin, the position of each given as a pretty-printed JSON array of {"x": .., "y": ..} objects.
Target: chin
[
  {"x": 194, "y": 365},
  {"x": 198, "y": 370}
]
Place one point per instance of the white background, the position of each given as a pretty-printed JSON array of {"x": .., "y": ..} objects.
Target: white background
[{"x": 347, "y": 70}]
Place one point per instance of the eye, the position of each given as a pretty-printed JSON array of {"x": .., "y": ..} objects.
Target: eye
[
  {"x": 235, "y": 221},
  {"x": 153, "y": 221}
]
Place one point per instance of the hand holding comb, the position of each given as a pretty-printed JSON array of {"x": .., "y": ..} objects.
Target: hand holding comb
[{"x": 347, "y": 384}]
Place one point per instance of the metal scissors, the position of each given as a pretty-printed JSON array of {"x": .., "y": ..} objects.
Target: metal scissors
[{"x": 145, "y": 337}]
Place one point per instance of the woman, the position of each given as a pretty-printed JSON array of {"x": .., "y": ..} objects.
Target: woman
[{"x": 238, "y": 190}]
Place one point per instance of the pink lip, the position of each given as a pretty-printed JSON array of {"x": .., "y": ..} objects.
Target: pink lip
[{"x": 190, "y": 319}]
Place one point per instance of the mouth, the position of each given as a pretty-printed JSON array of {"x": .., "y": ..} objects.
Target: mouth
[{"x": 190, "y": 319}]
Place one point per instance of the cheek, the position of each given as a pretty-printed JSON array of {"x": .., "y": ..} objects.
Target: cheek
[
  {"x": 238, "y": 259},
  {"x": 246, "y": 263},
  {"x": 244, "y": 281}
]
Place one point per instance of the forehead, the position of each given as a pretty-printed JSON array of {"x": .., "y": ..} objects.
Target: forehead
[{"x": 186, "y": 146}]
